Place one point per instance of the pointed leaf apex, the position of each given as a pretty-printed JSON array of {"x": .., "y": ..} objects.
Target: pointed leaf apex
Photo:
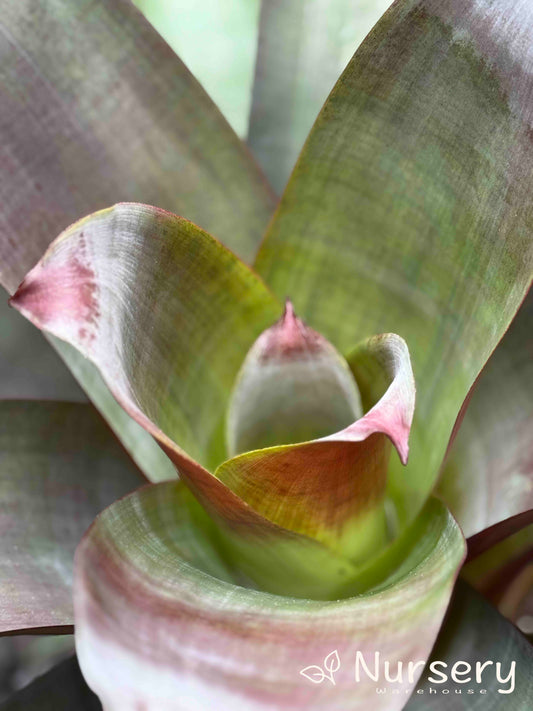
[
  {"x": 386, "y": 356},
  {"x": 289, "y": 338},
  {"x": 293, "y": 386},
  {"x": 402, "y": 446},
  {"x": 289, "y": 309}
]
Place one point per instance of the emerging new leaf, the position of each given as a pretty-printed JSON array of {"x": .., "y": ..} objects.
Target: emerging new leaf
[{"x": 292, "y": 387}]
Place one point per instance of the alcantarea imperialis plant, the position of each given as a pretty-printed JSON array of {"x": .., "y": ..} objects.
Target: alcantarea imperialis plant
[{"x": 294, "y": 534}]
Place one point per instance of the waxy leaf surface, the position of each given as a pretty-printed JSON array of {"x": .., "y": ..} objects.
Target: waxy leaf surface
[
  {"x": 409, "y": 209},
  {"x": 59, "y": 466},
  {"x": 488, "y": 475},
  {"x": 168, "y": 314},
  {"x": 96, "y": 108},
  {"x": 155, "y": 604},
  {"x": 163, "y": 309}
]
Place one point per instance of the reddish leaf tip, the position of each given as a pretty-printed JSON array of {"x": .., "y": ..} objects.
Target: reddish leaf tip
[
  {"x": 288, "y": 338},
  {"x": 402, "y": 448},
  {"x": 288, "y": 313}
]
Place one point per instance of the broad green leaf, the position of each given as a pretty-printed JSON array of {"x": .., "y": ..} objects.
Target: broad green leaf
[
  {"x": 155, "y": 605},
  {"x": 488, "y": 474},
  {"x": 167, "y": 314},
  {"x": 475, "y": 633},
  {"x": 332, "y": 488},
  {"x": 61, "y": 689},
  {"x": 142, "y": 448},
  {"x": 29, "y": 368},
  {"x": 96, "y": 109},
  {"x": 217, "y": 41},
  {"x": 303, "y": 48},
  {"x": 409, "y": 208},
  {"x": 59, "y": 466},
  {"x": 164, "y": 311}
]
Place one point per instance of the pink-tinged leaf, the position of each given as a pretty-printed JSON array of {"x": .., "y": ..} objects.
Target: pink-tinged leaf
[
  {"x": 157, "y": 627},
  {"x": 487, "y": 480},
  {"x": 409, "y": 209},
  {"x": 59, "y": 467},
  {"x": 96, "y": 109},
  {"x": 165, "y": 312},
  {"x": 332, "y": 489},
  {"x": 516, "y": 602},
  {"x": 168, "y": 314}
]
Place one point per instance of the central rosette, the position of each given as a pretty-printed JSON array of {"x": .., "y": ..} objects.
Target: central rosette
[
  {"x": 284, "y": 442},
  {"x": 302, "y": 452}
]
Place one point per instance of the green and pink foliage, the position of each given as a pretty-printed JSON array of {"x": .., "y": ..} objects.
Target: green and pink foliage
[{"x": 292, "y": 521}]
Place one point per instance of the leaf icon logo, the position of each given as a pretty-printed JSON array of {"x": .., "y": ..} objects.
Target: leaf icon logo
[
  {"x": 314, "y": 674},
  {"x": 317, "y": 674},
  {"x": 332, "y": 664}
]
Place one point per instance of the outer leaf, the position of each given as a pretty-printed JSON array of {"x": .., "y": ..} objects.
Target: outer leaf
[
  {"x": 167, "y": 314},
  {"x": 177, "y": 637},
  {"x": 488, "y": 476},
  {"x": 61, "y": 689},
  {"x": 485, "y": 564},
  {"x": 409, "y": 208},
  {"x": 303, "y": 48},
  {"x": 144, "y": 451},
  {"x": 217, "y": 41},
  {"x": 29, "y": 368},
  {"x": 95, "y": 109},
  {"x": 59, "y": 466},
  {"x": 504, "y": 574},
  {"x": 473, "y": 631},
  {"x": 333, "y": 488},
  {"x": 98, "y": 109}
]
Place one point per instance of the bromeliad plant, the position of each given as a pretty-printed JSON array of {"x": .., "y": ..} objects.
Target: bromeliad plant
[{"x": 299, "y": 532}]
